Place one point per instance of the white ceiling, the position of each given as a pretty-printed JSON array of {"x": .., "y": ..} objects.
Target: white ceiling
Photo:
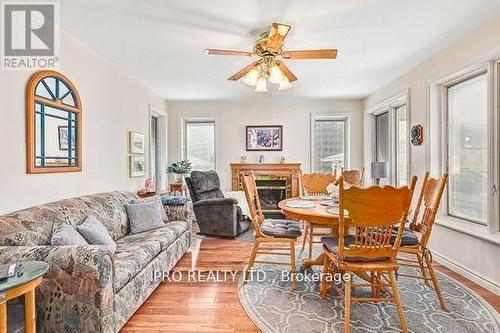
[{"x": 161, "y": 43}]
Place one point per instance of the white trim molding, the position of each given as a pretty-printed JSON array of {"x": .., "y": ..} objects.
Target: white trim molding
[{"x": 162, "y": 149}]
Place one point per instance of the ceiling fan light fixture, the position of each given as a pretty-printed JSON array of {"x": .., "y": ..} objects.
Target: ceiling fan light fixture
[
  {"x": 261, "y": 85},
  {"x": 275, "y": 75},
  {"x": 252, "y": 77},
  {"x": 283, "y": 29},
  {"x": 285, "y": 84}
]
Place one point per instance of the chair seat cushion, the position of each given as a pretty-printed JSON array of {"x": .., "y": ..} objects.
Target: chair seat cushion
[
  {"x": 409, "y": 238},
  {"x": 280, "y": 228},
  {"x": 332, "y": 245}
]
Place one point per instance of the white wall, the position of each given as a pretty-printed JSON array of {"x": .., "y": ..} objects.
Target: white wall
[
  {"x": 112, "y": 103},
  {"x": 232, "y": 116},
  {"x": 477, "y": 258}
]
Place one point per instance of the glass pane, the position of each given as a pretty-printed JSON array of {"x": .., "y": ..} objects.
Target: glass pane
[
  {"x": 56, "y": 112},
  {"x": 329, "y": 141},
  {"x": 382, "y": 141},
  {"x": 468, "y": 149},
  {"x": 51, "y": 83},
  {"x": 200, "y": 145},
  {"x": 402, "y": 145},
  {"x": 68, "y": 100},
  {"x": 42, "y": 91},
  {"x": 63, "y": 89}
]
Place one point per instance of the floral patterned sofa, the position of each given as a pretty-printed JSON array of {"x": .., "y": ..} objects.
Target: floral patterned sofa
[{"x": 86, "y": 288}]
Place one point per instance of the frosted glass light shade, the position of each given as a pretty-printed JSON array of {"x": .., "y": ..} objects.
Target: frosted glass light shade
[
  {"x": 252, "y": 77},
  {"x": 285, "y": 84},
  {"x": 276, "y": 76},
  {"x": 261, "y": 85}
]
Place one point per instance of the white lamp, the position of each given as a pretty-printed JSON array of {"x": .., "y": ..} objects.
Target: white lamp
[
  {"x": 252, "y": 77},
  {"x": 261, "y": 85},
  {"x": 285, "y": 84},
  {"x": 276, "y": 76}
]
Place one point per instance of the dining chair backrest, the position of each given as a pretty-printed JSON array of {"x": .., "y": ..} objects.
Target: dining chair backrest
[
  {"x": 253, "y": 200},
  {"x": 429, "y": 200},
  {"x": 354, "y": 177},
  {"x": 373, "y": 212},
  {"x": 316, "y": 183}
]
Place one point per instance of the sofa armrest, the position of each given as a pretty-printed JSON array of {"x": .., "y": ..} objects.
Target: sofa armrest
[
  {"x": 217, "y": 201},
  {"x": 77, "y": 290}
]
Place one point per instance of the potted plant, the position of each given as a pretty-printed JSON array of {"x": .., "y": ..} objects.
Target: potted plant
[{"x": 179, "y": 169}]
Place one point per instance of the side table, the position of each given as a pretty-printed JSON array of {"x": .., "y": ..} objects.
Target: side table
[
  {"x": 25, "y": 284},
  {"x": 177, "y": 188}
]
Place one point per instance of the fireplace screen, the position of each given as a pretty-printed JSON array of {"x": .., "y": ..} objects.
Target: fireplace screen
[{"x": 271, "y": 191}]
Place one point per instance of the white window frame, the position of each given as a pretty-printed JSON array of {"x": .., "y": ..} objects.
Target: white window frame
[
  {"x": 162, "y": 148},
  {"x": 438, "y": 147},
  {"x": 347, "y": 136},
  {"x": 390, "y": 105},
  {"x": 184, "y": 122}
]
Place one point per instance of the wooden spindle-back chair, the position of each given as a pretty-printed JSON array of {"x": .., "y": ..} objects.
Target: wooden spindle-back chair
[
  {"x": 315, "y": 183},
  {"x": 416, "y": 237},
  {"x": 368, "y": 251},
  {"x": 354, "y": 177},
  {"x": 264, "y": 234}
]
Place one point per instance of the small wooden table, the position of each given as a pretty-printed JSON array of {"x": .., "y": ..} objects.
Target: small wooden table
[
  {"x": 22, "y": 285},
  {"x": 316, "y": 215}
]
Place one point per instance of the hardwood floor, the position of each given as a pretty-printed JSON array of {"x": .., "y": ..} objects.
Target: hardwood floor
[{"x": 214, "y": 306}]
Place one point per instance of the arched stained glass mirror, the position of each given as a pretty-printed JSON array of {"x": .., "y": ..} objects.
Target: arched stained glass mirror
[{"x": 54, "y": 124}]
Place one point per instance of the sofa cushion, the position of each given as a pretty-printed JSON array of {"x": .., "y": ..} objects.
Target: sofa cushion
[
  {"x": 95, "y": 233},
  {"x": 131, "y": 257},
  {"x": 158, "y": 200},
  {"x": 109, "y": 208},
  {"x": 66, "y": 235},
  {"x": 33, "y": 226},
  {"x": 144, "y": 216},
  {"x": 165, "y": 235}
]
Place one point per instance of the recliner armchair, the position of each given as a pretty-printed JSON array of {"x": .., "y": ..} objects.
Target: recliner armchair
[{"x": 216, "y": 215}]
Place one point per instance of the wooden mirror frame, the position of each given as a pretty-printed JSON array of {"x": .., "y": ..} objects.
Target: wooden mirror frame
[{"x": 31, "y": 98}]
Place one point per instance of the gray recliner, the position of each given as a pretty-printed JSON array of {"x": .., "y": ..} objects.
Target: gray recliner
[{"x": 216, "y": 215}]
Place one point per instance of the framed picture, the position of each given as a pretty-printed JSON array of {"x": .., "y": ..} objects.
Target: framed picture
[
  {"x": 137, "y": 166},
  {"x": 264, "y": 138},
  {"x": 64, "y": 137},
  {"x": 417, "y": 135},
  {"x": 136, "y": 143}
]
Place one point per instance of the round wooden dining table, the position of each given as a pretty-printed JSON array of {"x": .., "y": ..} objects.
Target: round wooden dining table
[{"x": 317, "y": 215}]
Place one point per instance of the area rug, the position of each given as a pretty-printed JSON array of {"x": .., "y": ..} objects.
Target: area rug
[{"x": 274, "y": 307}]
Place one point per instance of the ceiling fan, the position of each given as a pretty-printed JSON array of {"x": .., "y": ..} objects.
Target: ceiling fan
[{"x": 270, "y": 67}]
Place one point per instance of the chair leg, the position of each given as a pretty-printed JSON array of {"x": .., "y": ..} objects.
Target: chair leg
[
  {"x": 397, "y": 300},
  {"x": 422, "y": 269},
  {"x": 437, "y": 288},
  {"x": 251, "y": 261},
  {"x": 304, "y": 238},
  {"x": 324, "y": 287},
  {"x": 347, "y": 302},
  {"x": 311, "y": 240},
  {"x": 292, "y": 263}
]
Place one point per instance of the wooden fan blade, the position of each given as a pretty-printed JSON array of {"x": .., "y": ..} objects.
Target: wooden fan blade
[
  {"x": 277, "y": 36},
  {"x": 286, "y": 71},
  {"x": 311, "y": 54},
  {"x": 229, "y": 53},
  {"x": 244, "y": 71}
]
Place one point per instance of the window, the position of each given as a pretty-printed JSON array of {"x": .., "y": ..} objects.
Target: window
[
  {"x": 401, "y": 146},
  {"x": 199, "y": 144},
  {"x": 382, "y": 141},
  {"x": 330, "y": 144},
  {"x": 153, "y": 150},
  {"x": 467, "y": 115},
  {"x": 54, "y": 124}
]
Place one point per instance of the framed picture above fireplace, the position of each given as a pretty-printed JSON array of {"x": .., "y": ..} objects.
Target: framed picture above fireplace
[{"x": 264, "y": 138}]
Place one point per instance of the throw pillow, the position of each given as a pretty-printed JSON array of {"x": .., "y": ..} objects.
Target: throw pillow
[
  {"x": 64, "y": 234},
  {"x": 156, "y": 199},
  {"x": 144, "y": 216},
  {"x": 168, "y": 200},
  {"x": 95, "y": 233}
]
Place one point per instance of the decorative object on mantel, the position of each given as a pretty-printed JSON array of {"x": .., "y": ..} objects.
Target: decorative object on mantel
[
  {"x": 53, "y": 124},
  {"x": 417, "y": 135},
  {"x": 179, "y": 169},
  {"x": 261, "y": 159},
  {"x": 379, "y": 171},
  {"x": 243, "y": 159},
  {"x": 149, "y": 185},
  {"x": 264, "y": 138},
  {"x": 136, "y": 142},
  {"x": 282, "y": 159},
  {"x": 137, "y": 166}
]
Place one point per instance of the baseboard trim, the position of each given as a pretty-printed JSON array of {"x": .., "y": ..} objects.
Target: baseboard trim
[{"x": 468, "y": 273}]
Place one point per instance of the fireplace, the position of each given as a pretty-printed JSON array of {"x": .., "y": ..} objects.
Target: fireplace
[{"x": 271, "y": 191}]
